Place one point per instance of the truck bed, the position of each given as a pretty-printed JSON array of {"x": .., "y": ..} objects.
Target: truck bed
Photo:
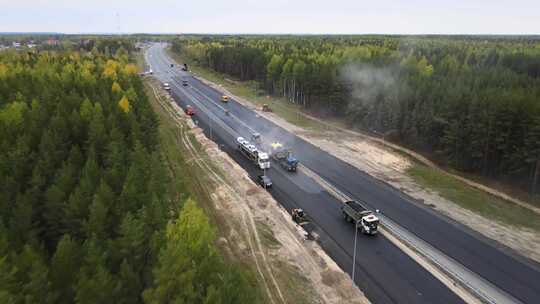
[{"x": 355, "y": 206}]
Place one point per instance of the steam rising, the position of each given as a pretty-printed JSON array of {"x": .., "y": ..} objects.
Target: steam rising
[{"x": 369, "y": 84}]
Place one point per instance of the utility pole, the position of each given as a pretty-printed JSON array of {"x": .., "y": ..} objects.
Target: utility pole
[
  {"x": 354, "y": 251},
  {"x": 264, "y": 174},
  {"x": 211, "y": 137}
]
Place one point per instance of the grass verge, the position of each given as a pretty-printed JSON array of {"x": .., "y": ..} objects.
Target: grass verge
[
  {"x": 298, "y": 291},
  {"x": 473, "y": 199},
  {"x": 189, "y": 180},
  {"x": 267, "y": 236}
]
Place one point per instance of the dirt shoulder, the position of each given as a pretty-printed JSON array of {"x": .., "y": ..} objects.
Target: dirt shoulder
[
  {"x": 390, "y": 163},
  {"x": 255, "y": 229}
]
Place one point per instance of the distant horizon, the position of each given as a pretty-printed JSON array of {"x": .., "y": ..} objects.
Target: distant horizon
[
  {"x": 262, "y": 33},
  {"x": 276, "y": 17}
]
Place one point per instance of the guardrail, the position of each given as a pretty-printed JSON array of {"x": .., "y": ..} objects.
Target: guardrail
[{"x": 473, "y": 283}]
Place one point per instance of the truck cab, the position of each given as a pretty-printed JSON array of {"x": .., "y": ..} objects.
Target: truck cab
[
  {"x": 290, "y": 163},
  {"x": 369, "y": 224},
  {"x": 263, "y": 160},
  {"x": 190, "y": 111}
]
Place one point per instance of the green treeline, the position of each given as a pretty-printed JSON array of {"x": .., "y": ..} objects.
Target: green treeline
[
  {"x": 85, "y": 213},
  {"x": 471, "y": 102}
]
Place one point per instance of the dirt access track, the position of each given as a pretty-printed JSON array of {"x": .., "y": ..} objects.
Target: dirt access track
[
  {"x": 379, "y": 159},
  {"x": 257, "y": 229}
]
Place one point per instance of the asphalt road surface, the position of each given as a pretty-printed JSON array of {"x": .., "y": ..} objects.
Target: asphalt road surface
[{"x": 384, "y": 273}]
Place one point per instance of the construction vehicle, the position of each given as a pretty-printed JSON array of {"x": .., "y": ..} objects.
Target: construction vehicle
[
  {"x": 364, "y": 219},
  {"x": 224, "y": 98},
  {"x": 266, "y": 108},
  {"x": 283, "y": 156},
  {"x": 189, "y": 110},
  {"x": 305, "y": 227},
  {"x": 250, "y": 151},
  {"x": 298, "y": 216}
]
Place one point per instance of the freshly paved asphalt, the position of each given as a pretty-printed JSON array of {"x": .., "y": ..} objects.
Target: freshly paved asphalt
[{"x": 384, "y": 273}]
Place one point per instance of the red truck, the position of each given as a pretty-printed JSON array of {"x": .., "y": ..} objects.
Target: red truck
[{"x": 190, "y": 111}]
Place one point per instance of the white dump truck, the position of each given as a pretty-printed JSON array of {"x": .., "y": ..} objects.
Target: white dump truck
[{"x": 364, "y": 219}]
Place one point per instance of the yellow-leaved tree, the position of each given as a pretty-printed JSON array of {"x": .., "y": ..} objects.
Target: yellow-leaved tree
[
  {"x": 3, "y": 71},
  {"x": 124, "y": 104},
  {"x": 116, "y": 88},
  {"x": 110, "y": 69},
  {"x": 13, "y": 114},
  {"x": 424, "y": 68},
  {"x": 130, "y": 69}
]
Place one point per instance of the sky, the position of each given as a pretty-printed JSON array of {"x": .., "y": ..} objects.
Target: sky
[{"x": 272, "y": 16}]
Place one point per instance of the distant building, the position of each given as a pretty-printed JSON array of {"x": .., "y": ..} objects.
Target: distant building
[{"x": 52, "y": 42}]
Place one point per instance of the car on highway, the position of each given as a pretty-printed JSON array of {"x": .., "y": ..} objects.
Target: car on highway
[
  {"x": 184, "y": 83},
  {"x": 189, "y": 110},
  {"x": 149, "y": 72},
  {"x": 264, "y": 181},
  {"x": 256, "y": 137},
  {"x": 172, "y": 65},
  {"x": 224, "y": 98},
  {"x": 166, "y": 86}
]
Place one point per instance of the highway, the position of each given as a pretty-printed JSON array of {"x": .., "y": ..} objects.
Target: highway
[{"x": 384, "y": 273}]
